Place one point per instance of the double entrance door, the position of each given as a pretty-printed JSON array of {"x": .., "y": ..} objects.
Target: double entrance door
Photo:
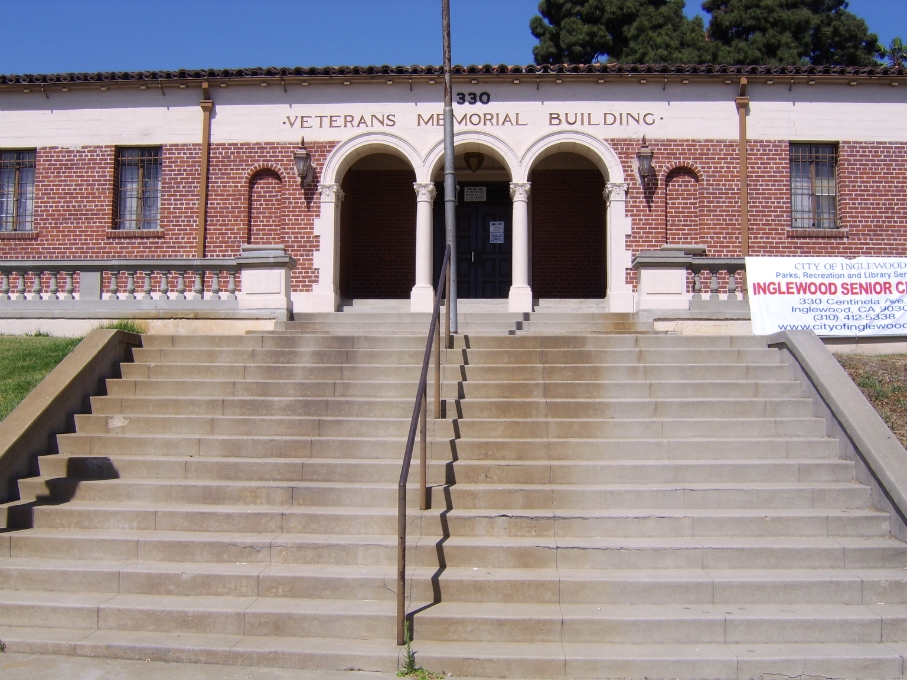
[{"x": 484, "y": 239}]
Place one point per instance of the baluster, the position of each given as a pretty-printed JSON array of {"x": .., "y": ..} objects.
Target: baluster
[
  {"x": 52, "y": 293},
  {"x": 165, "y": 285},
  {"x": 4, "y": 286},
  {"x": 114, "y": 286},
  {"x": 731, "y": 284},
  {"x": 713, "y": 286},
  {"x": 198, "y": 291},
  {"x": 130, "y": 285},
  {"x": 36, "y": 286},
  {"x": 146, "y": 287},
  {"x": 20, "y": 286},
  {"x": 181, "y": 285},
  {"x": 215, "y": 286},
  {"x": 68, "y": 287},
  {"x": 697, "y": 284},
  {"x": 231, "y": 287}
]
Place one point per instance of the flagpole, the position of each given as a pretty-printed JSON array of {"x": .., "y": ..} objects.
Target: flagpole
[{"x": 450, "y": 177}]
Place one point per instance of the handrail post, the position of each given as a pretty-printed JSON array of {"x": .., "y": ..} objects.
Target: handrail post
[
  {"x": 423, "y": 457},
  {"x": 447, "y": 309},
  {"x": 437, "y": 371},
  {"x": 401, "y": 562}
]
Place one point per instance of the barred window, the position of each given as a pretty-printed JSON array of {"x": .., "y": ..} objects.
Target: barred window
[
  {"x": 813, "y": 186},
  {"x": 17, "y": 190},
  {"x": 138, "y": 188}
]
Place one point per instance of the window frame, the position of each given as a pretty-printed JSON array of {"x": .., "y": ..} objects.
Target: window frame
[
  {"x": 136, "y": 219},
  {"x": 814, "y": 153},
  {"x": 16, "y": 224}
]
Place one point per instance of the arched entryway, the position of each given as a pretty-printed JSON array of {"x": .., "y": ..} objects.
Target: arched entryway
[
  {"x": 567, "y": 228},
  {"x": 484, "y": 223},
  {"x": 377, "y": 236}
]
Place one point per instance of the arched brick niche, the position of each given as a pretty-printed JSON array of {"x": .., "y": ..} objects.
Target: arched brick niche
[
  {"x": 683, "y": 203},
  {"x": 265, "y": 206}
]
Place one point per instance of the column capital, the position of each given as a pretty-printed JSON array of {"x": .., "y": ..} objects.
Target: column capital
[
  {"x": 330, "y": 193},
  {"x": 615, "y": 191},
  {"x": 425, "y": 191},
  {"x": 519, "y": 191}
]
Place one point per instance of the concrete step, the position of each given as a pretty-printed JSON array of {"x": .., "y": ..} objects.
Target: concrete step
[
  {"x": 379, "y": 655},
  {"x": 177, "y": 445},
  {"x": 339, "y": 520},
  {"x": 663, "y": 624},
  {"x": 717, "y": 494},
  {"x": 452, "y": 389},
  {"x": 472, "y": 408},
  {"x": 235, "y": 615},
  {"x": 690, "y": 448},
  {"x": 225, "y": 546},
  {"x": 714, "y": 661},
  {"x": 142, "y": 466},
  {"x": 459, "y": 372}
]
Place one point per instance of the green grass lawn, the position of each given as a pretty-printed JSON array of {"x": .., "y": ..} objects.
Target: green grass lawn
[
  {"x": 24, "y": 361},
  {"x": 883, "y": 379}
]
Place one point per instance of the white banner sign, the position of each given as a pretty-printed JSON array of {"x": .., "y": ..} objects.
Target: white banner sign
[{"x": 832, "y": 296}]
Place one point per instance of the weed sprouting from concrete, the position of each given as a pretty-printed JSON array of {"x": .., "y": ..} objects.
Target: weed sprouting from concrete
[
  {"x": 410, "y": 669},
  {"x": 128, "y": 325}
]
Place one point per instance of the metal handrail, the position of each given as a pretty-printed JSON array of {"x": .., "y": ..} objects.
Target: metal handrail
[{"x": 419, "y": 418}]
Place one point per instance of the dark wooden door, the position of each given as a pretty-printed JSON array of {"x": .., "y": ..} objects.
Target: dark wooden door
[{"x": 484, "y": 243}]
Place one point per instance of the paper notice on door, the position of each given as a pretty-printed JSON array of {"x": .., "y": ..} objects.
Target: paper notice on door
[{"x": 496, "y": 232}]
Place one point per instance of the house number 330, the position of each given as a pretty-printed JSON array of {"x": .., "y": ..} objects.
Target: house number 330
[{"x": 473, "y": 98}]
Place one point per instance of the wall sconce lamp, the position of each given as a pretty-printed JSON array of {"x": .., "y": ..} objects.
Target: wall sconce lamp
[
  {"x": 303, "y": 162},
  {"x": 644, "y": 159}
]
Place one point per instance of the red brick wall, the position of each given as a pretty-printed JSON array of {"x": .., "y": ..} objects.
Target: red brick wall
[
  {"x": 681, "y": 206},
  {"x": 568, "y": 226},
  {"x": 74, "y": 206},
  {"x": 872, "y": 199},
  {"x": 380, "y": 207},
  {"x": 74, "y": 210}
]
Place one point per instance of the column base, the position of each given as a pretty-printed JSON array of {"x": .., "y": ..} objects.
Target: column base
[
  {"x": 316, "y": 301},
  {"x": 623, "y": 301},
  {"x": 422, "y": 299},
  {"x": 520, "y": 299}
]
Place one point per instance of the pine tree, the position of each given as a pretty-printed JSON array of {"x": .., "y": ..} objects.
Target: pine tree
[
  {"x": 789, "y": 32},
  {"x": 628, "y": 31}
]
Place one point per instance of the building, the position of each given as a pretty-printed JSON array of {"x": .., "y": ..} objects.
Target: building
[{"x": 553, "y": 199}]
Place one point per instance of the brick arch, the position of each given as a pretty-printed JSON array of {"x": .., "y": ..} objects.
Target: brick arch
[
  {"x": 264, "y": 166},
  {"x": 687, "y": 165},
  {"x": 265, "y": 203},
  {"x": 683, "y": 203}
]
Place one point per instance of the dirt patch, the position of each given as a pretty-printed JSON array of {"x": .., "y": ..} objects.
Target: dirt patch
[{"x": 883, "y": 379}]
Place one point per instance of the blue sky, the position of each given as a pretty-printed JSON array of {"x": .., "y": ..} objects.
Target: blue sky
[{"x": 49, "y": 36}]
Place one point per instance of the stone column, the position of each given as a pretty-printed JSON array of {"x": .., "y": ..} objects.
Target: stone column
[
  {"x": 520, "y": 293},
  {"x": 619, "y": 294},
  {"x": 422, "y": 298},
  {"x": 325, "y": 296}
]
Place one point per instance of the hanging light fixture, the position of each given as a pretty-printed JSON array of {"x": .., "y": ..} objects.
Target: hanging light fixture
[
  {"x": 644, "y": 158},
  {"x": 303, "y": 162},
  {"x": 474, "y": 160}
]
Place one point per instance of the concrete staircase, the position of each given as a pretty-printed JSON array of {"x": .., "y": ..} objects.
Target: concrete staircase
[{"x": 603, "y": 505}]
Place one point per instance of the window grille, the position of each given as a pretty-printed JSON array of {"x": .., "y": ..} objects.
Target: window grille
[
  {"x": 813, "y": 186},
  {"x": 138, "y": 188},
  {"x": 17, "y": 190}
]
